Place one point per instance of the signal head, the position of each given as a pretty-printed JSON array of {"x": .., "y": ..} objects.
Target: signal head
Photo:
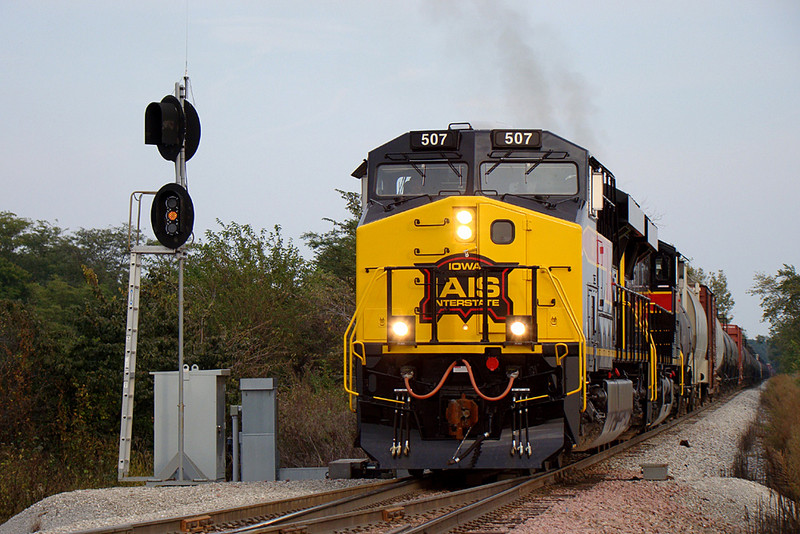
[
  {"x": 172, "y": 215},
  {"x": 171, "y": 127}
]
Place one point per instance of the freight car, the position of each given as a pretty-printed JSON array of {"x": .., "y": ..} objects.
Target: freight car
[{"x": 514, "y": 305}]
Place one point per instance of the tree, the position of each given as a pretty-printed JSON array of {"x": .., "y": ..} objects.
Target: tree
[
  {"x": 718, "y": 283},
  {"x": 335, "y": 250},
  {"x": 780, "y": 301},
  {"x": 105, "y": 251},
  {"x": 695, "y": 275},
  {"x": 245, "y": 300},
  {"x": 13, "y": 278},
  {"x": 49, "y": 291}
]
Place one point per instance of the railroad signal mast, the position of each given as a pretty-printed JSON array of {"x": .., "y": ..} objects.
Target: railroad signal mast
[{"x": 174, "y": 127}]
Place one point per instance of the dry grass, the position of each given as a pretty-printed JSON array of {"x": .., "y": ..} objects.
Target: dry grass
[
  {"x": 778, "y": 516},
  {"x": 315, "y": 426},
  {"x": 769, "y": 453},
  {"x": 781, "y": 436}
]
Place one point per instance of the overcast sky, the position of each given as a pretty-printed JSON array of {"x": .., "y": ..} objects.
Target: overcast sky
[{"x": 692, "y": 104}]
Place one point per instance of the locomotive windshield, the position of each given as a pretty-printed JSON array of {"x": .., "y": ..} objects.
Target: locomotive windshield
[
  {"x": 415, "y": 179},
  {"x": 529, "y": 178}
]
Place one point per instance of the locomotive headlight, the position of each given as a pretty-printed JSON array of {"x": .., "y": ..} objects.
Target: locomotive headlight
[
  {"x": 464, "y": 216},
  {"x": 519, "y": 329},
  {"x": 465, "y": 230},
  {"x": 464, "y": 233},
  {"x": 401, "y": 330}
]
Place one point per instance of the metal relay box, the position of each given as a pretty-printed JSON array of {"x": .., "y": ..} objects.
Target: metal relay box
[{"x": 204, "y": 420}]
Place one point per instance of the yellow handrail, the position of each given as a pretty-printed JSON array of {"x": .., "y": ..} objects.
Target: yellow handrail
[
  {"x": 581, "y": 338},
  {"x": 349, "y": 343},
  {"x": 559, "y": 359},
  {"x": 653, "y": 369},
  {"x": 644, "y": 324}
]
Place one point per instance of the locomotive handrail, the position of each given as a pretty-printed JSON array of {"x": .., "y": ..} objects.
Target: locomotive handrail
[
  {"x": 581, "y": 337},
  {"x": 644, "y": 326},
  {"x": 559, "y": 359},
  {"x": 433, "y": 270},
  {"x": 348, "y": 339},
  {"x": 653, "y": 369},
  {"x": 420, "y": 224},
  {"x": 418, "y": 252}
]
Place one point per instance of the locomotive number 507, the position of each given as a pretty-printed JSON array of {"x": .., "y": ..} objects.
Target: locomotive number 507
[
  {"x": 518, "y": 138},
  {"x": 433, "y": 139}
]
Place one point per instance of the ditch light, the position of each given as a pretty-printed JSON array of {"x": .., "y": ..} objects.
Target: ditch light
[
  {"x": 402, "y": 330},
  {"x": 519, "y": 330}
]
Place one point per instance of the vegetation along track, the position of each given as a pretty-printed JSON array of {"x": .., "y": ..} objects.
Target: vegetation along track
[{"x": 405, "y": 505}]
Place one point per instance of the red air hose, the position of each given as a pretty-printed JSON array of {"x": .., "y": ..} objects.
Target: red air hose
[
  {"x": 435, "y": 390},
  {"x": 484, "y": 397}
]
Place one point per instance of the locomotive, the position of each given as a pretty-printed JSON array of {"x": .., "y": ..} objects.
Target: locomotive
[{"x": 513, "y": 305}]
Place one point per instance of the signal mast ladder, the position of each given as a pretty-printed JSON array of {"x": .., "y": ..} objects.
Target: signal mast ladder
[{"x": 129, "y": 372}]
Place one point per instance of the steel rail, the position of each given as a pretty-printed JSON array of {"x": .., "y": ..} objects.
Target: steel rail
[
  {"x": 388, "y": 513},
  {"x": 335, "y": 508},
  {"x": 381, "y": 490}
]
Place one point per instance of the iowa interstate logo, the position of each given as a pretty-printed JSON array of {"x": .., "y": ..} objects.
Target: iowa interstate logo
[{"x": 463, "y": 286}]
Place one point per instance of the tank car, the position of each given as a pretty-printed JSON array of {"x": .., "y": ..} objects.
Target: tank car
[{"x": 513, "y": 305}]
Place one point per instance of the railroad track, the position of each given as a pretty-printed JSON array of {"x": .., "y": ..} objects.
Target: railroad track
[
  {"x": 233, "y": 517},
  {"x": 403, "y": 506}
]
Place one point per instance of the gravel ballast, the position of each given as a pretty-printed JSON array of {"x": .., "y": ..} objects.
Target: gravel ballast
[
  {"x": 695, "y": 498},
  {"x": 88, "y": 509}
]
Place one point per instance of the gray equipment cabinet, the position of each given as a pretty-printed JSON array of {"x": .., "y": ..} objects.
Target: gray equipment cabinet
[
  {"x": 204, "y": 420},
  {"x": 259, "y": 429}
]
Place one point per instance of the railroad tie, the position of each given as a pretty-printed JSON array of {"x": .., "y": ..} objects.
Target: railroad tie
[
  {"x": 393, "y": 514},
  {"x": 196, "y": 524}
]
